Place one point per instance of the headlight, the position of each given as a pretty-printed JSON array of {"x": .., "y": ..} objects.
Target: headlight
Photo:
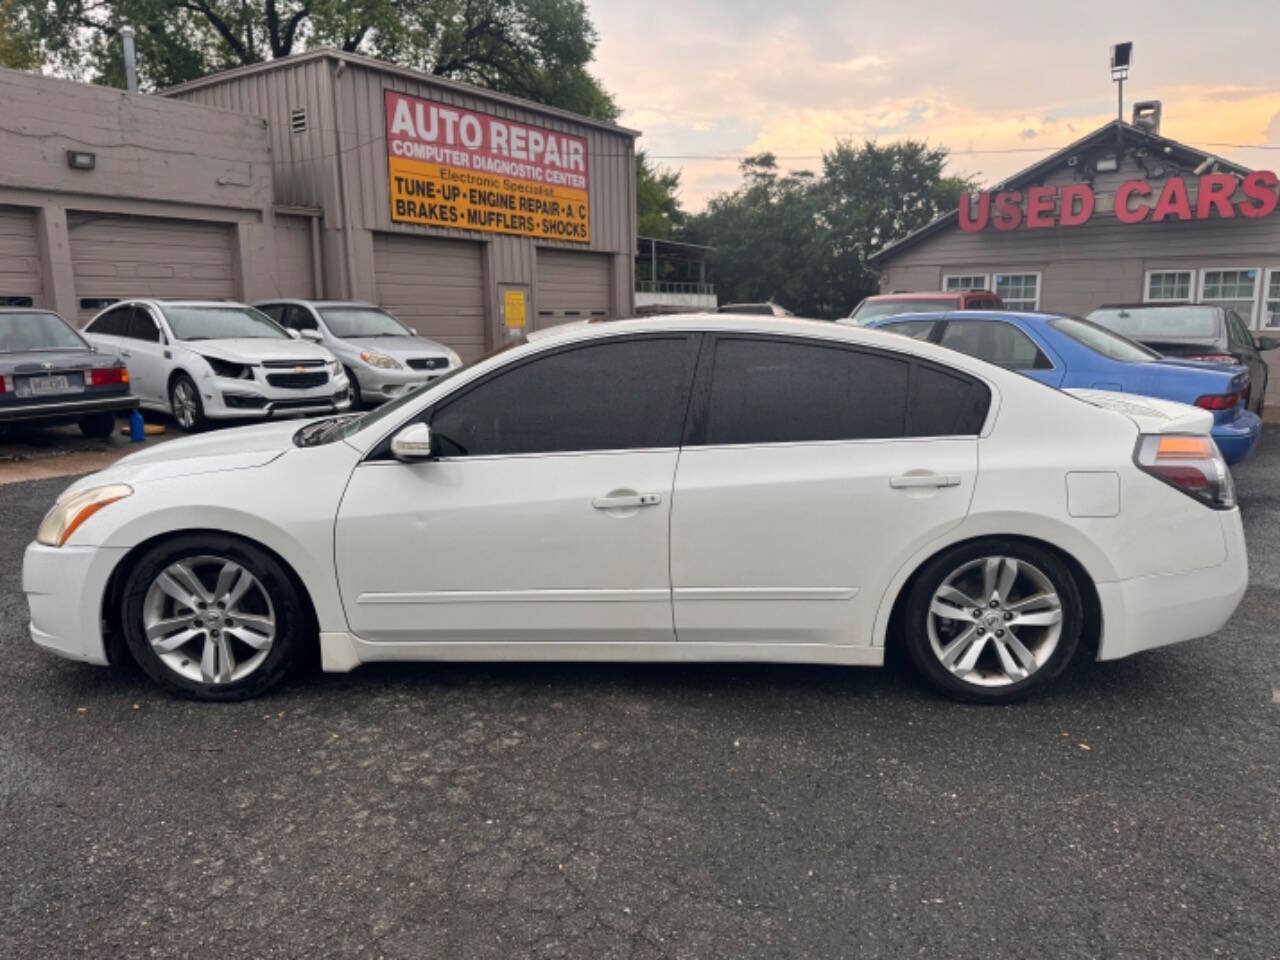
[
  {"x": 336, "y": 367},
  {"x": 380, "y": 360},
  {"x": 454, "y": 359},
  {"x": 69, "y": 512},
  {"x": 224, "y": 368}
]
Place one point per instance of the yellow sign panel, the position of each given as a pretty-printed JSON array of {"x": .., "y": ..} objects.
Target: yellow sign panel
[
  {"x": 436, "y": 195},
  {"x": 513, "y": 308}
]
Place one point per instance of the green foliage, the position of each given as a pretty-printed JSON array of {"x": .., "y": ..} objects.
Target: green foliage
[
  {"x": 802, "y": 240},
  {"x": 538, "y": 49},
  {"x": 17, "y": 49},
  {"x": 658, "y": 211}
]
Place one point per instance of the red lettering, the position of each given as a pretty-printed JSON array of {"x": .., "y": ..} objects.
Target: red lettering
[
  {"x": 1008, "y": 210},
  {"x": 1173, "y": 200},
  {"x": 1070, "y": 216},
  {"x": 1040, "y": 207},
  {"x": 1137, "y": 214},
  {"x": 1261, "y": 187},
  {"x": 1215, "y": 191},
  {"x": 968, "y": 222}
]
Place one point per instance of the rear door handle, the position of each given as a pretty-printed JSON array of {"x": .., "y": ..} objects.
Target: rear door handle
[
  {"x": 908, "y": 481},
  {"x": 625, "y": 501}
]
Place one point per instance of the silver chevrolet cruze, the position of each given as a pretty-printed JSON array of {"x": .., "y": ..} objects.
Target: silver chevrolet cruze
[{"x": 383, "y": 357}]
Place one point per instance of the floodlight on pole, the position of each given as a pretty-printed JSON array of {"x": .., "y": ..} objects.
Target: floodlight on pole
[{"x": 1121, "y": 58}]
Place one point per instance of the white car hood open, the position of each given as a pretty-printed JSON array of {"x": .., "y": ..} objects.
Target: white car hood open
[{"x": 1151, "y": 414}]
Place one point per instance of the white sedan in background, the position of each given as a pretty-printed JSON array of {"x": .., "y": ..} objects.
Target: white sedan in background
[
  {"x": 688, "y": 488},
  {"x": 200, "y": 360}
]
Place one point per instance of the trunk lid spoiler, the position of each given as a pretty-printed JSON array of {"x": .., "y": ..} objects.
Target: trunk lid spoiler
[{"x": 1151, "y": 415}]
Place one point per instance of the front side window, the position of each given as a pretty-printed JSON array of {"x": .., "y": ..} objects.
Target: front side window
[
  {"x": 220, "y": 323},
  {"x": 299, "y": 318},
  {"x": 273, "y": 310},
  {"x": 995, "y": 342},
  {"x": 20, "y": 332},
  {"x": 619, "y": 395},
  {"x": 1234, "y": 289},
  {"x": 1101, "y": 340},
  {"x": 1168, "y": 285},
  {"x": 348, "y": 322},
  {"x": 973, "y": 281},
  {"x": 143, "y": 327},
  {"x": 1019, "y": 291}
]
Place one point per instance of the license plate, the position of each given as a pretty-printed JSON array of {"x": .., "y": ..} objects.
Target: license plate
[{"x": 53, "y": 385}]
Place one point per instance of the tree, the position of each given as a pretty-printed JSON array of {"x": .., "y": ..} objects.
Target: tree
[
  {"x": 538, "y": 49},
  {"x": 658, "y": 211},
  {"x": 803, "y": 240},
  {"x": 16, "y": 48}
]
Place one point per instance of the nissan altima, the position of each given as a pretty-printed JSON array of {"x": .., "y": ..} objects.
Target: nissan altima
[{"x": 686, "y": 488}]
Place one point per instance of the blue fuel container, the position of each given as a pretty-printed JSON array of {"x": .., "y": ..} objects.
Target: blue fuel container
[{"x": 136, "y": 434}]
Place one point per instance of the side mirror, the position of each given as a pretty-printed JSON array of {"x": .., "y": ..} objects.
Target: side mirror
[
  {"x": 1266, "y": 343},
  {"x": 293, "y": 334},
  {"x": 313, "y": 335},
  {"x": 412, "y": 443}
]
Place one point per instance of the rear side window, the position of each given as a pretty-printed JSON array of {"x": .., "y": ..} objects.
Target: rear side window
[
  {"x": 619, "y": 395},
  {"x": 945, "y": 404},
  {"x": 996, "y": 342}
]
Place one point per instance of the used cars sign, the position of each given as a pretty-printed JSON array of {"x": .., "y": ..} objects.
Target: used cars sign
[{"x": 449, "y": 167}]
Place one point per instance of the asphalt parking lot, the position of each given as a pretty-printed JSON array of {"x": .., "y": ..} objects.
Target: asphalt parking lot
[{"x": 667, "y": 811}]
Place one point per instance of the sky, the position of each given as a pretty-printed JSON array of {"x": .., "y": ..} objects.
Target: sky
[{"x": 730, "y": 78}]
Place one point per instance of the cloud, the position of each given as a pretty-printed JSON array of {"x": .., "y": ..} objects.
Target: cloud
[{"x": 859, "y": 64}]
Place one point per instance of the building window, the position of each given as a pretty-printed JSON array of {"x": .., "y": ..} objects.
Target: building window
[
  {"x": 968, "y": 281},
  {"x": 1236, "y": 289},
  {"x": 1169, "y": 285},
  {"x": 1019, "y": 291},
  {"x": 1271, "y": 307}
]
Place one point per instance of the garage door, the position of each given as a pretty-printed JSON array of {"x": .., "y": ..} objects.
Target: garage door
[
  {"x": 114, "y": 257},
  {"x": 294, "y": 274},
  {"x": 19, "y": 262},
  {"x": 572, "y": 286},
  {"x": 435, "y": 286}
]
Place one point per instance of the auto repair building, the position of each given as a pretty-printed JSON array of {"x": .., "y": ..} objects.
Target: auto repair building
[
  {"x": 1123, "y": 215},
  {"x": 468, "y": 214}
]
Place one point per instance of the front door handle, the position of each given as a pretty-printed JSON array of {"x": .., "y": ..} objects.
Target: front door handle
[
  {"x": 627, "y": 501},
  {"x": 908, "y": 481}
]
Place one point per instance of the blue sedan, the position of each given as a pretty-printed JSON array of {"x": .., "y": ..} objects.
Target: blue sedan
[{"x": 1065, "y": 351}]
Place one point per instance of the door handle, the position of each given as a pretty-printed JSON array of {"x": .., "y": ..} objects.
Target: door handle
[
  {"x": 626, "y": 501},
  {"x": 908, "y": 481}
]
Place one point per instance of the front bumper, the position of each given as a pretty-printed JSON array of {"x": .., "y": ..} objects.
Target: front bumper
[
  {"x": 64, "y": 588},
  {"x": 66, "y": 410},
  {"x": 227, "y": 398},
  {"x": 1237, "y": 438},
  {"x": 376, "y": 384},
  {"x": 1155, "y": 611}
]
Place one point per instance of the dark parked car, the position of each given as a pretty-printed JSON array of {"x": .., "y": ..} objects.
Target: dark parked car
[
  {"x": 49, "y": 374},
  {"x": 894, "y": 304},
  {"x": 1194, "y": 331}
]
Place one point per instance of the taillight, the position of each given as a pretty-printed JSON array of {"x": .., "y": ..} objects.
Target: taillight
[
  {"x": 105, "y": 376},
  {"x": 1192, "y": 464},
  {"x": 1218, "y": 401},
  {"x": 1213, "y": 358}
]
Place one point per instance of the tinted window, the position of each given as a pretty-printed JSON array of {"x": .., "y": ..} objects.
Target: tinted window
[
  {"x": 996, "y": 342},
  {"x": 916, "y": 329},
  {"x": 783, "y": 391},
  {"x": 1103, "y": 341},
  {"x": 628, "y": 394},
  {"x": 1238, "y": 333},
  {"x": 113, "y": 323},
  {"x": 946, "y": 404},
  {"x": 273, "y": 310},
  {"x": 143, "y": 327},
  {"x": 299, "y": 318}
]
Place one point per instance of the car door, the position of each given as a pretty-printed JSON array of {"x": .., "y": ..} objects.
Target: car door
[
  {"x": 1004, "y": 344},
  {"x": 146, "y": 352},
  {"x": 544, "y": 517},
  {"x": 810, "y": 469}
]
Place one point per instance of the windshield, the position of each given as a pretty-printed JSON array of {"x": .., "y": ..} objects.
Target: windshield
[
  {"x": 20, "y": 332},
  {"x": 221, "y": 323},
  {"x": 1103, "y": 341},
  {"x": 346, "y": 322},
  {"x": 1185, "y": 322},
  {"x": 870, "y": 310}
]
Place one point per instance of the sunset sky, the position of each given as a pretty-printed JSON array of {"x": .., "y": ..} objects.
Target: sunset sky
[{"x": 736, "y": 77}]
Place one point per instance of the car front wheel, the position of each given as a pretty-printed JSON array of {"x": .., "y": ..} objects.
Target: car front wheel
[
  {"x": 213, "y": 617},
  {"x": 184, "y": 403},
  {"x": 994, "y": 620}
]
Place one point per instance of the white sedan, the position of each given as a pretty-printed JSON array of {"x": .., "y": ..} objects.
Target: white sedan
[{"x": 689, "y": 488}]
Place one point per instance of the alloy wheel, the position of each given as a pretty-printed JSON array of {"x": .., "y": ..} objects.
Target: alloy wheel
[
  {"x": 995, "y": 621},
  {"x": 209, "y": 619},
  {"x": 184, "y": 404}
]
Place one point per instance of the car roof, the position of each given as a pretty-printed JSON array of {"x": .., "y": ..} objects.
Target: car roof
[
  {"x": 301, "y": 301},
  {"x": 1157, "y": 306},
  {"x": 931, "y": 295}
]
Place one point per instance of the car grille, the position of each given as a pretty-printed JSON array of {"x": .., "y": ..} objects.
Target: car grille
[
  {"x": 290, "y": 364},
  {"x": 428, "y": 363},
  {"x": 297, "y": 381}
]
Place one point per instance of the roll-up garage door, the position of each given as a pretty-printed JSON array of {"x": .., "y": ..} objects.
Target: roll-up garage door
[
  {"x": 19, "y": 261},
  {"x": 294, "y": 274},
  {"x": 436, "y": 286},
  {"x": 115, "y": 257},
  {"x": 572, "y": 286}
]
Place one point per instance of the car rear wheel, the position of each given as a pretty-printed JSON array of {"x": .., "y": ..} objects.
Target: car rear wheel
[
  {"x": 993, "y": 621},
  {"x": 99, "y": 426},
  {"x": 213, "y": 617},
  {"x": 184, "y": 403}
]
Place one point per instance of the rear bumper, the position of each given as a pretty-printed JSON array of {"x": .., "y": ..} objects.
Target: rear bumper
[
  {"x": 1237, "y": 438},
  {"x": 1155, "y": 611},
  {"x": 65, "y": 410}
]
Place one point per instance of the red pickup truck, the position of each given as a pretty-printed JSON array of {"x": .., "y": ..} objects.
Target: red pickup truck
[{"x": 892, "y": 304}]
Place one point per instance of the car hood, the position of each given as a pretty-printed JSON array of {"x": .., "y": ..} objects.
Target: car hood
[
  {"x": 256, "y": 349},
  {"x": 400, "y": 346},
  {"x": 1152, "y": 415},
  {"x": 241, "y": 448}
]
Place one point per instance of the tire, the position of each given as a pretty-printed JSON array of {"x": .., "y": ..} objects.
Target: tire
[
  {"x": 1017, "y": 589},
  {"x": 355, "y": 388},
  {"x": 99, "y": 426},
  {"x": 199, "y": 650},
  {"x": 185, "y": 404}
]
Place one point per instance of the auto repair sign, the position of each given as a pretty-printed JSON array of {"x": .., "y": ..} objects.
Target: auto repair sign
[{"x": 450, "y": 167}]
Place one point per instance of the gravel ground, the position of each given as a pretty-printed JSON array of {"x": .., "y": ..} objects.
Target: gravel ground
[{"x": 658, "y": 811}]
